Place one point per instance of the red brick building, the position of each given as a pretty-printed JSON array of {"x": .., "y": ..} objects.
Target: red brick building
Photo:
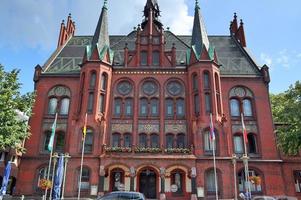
[{"x": 148, "y": 96}]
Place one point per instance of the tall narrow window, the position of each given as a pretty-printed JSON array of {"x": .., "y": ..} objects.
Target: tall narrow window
[
  {"x": 143, "y": 58},
  {"x": 85, "y": 184},
  {"x": 218, "y": 96},
  {"x": 169, "y": 141},
  {"x": 143, "y": 140},
  {"x": 208, "y": 143},
  {"x": 177, "y": 178},
  {"x": 104, "y": 81},
  {"x": 127, "y": 140},
  {"x": 154, "y": 141},
  {"x": 196, "y": 105},
  {"x": 234, "y": 106},
  {"x": 65, "y": 106},
  {"x": 238, "y": 144},
  {"x": 252, "y": 144},
  {"x": 181, "y": 141},
  {"x": 297, "y": 177},
  {"x": 117, "y": 107},
  {"x": 101, "y": 103},
  {"x": 89, "y": 141},
  {"x": 60, "y": 142},
  {"x": 90, "y": 102},
  {"x": 206, "y": 80},
  {"x": 210, "y": 182},
  {"x": 143, "y": 107},
  {"x": 180, "y": 108},
  {"x": 169, "y": 108},
  {"x": 154, "y": 107},
  {"x": 116, "y": 140},
  {"x": 93, "y": 80},
  {"x": 117, "y": 178},
  {"x": 156, "y": 58},
  {"x": 129, "y": 107},
  {"x": 195, "y": 82},
  {"x": 208, "y": 103},
  {"x": 52, "y": 105},
  {"x": 247, "y": 107},
  {"x": 46, "y": 140}
]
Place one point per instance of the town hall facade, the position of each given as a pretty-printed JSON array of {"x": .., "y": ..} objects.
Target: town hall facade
[{"x": 148, "y": 97}]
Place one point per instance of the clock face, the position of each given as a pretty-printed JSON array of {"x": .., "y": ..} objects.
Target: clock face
[
  {"x": 174, "y": 88},
  {"x": 124, "y": 88},
  {"x": 149, "y": 88}
]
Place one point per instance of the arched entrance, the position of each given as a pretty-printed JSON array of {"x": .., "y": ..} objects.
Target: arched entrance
[{"x": 148, "y": 183}]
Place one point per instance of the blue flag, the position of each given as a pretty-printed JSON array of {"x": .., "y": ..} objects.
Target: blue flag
[
  {"x": 58, "y": 179},
  {"x": 5, "y": 179}
]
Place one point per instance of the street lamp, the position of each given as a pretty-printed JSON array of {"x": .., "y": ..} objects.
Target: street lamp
[
  {"x": 234, "y": 161},
  {"x": 67, "y": 157}
]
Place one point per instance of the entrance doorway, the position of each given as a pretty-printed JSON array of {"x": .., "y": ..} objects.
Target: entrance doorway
[{"x": 148, "y": 183}]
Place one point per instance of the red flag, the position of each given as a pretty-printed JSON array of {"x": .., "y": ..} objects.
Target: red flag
[{"x": 244, "y": 130}]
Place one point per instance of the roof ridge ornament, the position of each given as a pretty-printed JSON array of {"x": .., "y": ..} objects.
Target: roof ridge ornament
[{"x": 105, "y": 4}]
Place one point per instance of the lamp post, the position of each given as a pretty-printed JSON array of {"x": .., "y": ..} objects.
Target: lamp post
[
  {"x": 67, "y": 157},
  {"x": 234, "y": 161}
]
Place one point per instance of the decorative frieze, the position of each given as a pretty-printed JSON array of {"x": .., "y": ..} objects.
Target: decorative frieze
[
  {"x": 250, "y": 126},
  {"x": 149, "y": 126},
  {"x": 175, "y": 126}
]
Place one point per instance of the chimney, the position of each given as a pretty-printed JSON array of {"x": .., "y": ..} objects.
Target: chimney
[{"x": 66, "y": 31}]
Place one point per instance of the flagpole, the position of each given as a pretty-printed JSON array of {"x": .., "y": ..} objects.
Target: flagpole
[
  {"x": 50, "y": 159},
  {"x": 245, "y": 159},
  {"x": 55, "y": 156},
  {"x": 81, "y": 167},
  {"x": 213, "y": 150},
  {"x": 65, "y": 171},
  {"x": 82, "y": 157}
]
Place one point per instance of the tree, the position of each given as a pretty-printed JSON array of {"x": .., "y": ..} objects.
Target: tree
[
  {"x": 286, "y": 108},
  {"x": 13, "y": 130}
]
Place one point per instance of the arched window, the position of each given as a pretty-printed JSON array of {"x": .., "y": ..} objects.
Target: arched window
[
  {"x": 85, "y": 184},
  {"x": 195, "y": 85},
  {"x": 178, "y": 178},
  {"x": 169, "y": 108},
  {"x": 234, "y": 106},
  {"x": 52, "y": 106},
  {"x": 247, "y": 107},
  {"x": 181, "y": 141},
  {"x": 116, "y": 140},
  {"x": 238, "y": 144},
  {"x": 156, "y": 58},
  {"x": 65, "y": 106},
  {"x": 206, "y": 80},
  {"x": 143, "y": 107},
  {"x": 209, "y": 144},
  {"x": 143, "y": 58},
  {"x": 89, "y": 141},
  {"x": 60, "y": 142},
  {"x": 129, "y": 107},
  {"x": 92, "y": 80},
  {"x": 208, "y": 103},
  {"x": 90, "y": 102},
  {"x": 154, "y": 141},
  {"x": 117, "y": 107},
  {"x": 42, "y": 174},
  {"x": 252, "y": 143},
  {"x": 169, "y": 141},
  {"x": 117, "y": 178},
  {"x": 101, "y": 103},
  {"x": 210, "y": 182},
  {"x": 104, "y": 80},
  {"x": 127, "y": 140},
  {"x": 255, "y": 188},
  {"x": 142, "y": 140},
  {"x": 154, "y": 107},
  {"x": 180, "y": 108},
  {"x": 196, "y": 105}
]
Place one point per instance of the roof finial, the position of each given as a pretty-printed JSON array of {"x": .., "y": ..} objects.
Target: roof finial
[
  {"x": 197, "y": 4},
  {"x": 235, "y": 15},
  {"x": 105, "y": 3},
  {"x": 241, "y": 22}
]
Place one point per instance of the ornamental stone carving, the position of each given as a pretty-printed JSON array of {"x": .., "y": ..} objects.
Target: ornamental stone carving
[
  {"x": 59, "y": 91},
  {"x": 122, "y": 128},
  {"x": 148, "y": 128},
  {"x": 250, "y": 126},
  {"x": 175, "y": 128}
]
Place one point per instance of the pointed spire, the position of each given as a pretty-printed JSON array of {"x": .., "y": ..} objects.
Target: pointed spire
[
  {"x": 199, "y": 34},
  {"x": 151, "y": 8},
  {"x": 101, "y": 36}
]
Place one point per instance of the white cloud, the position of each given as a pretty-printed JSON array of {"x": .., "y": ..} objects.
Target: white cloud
[
  {"x": 266, "y": 59},
  {"x": 36, "y": 23},
  {"x": 284, "y": 59}
]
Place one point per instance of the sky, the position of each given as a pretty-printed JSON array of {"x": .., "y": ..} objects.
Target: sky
[{"x": 29, "y": 29}]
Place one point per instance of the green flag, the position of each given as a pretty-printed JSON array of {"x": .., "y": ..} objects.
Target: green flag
[{"x": 51, "y": 141}]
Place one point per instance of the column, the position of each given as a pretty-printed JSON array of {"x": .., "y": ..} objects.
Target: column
[
  {"x": 193, "y": 184},
  {"x": 101, "y": 183},
  {"x": 133, "y": 175},
  {"x": 162, "y": 176}
]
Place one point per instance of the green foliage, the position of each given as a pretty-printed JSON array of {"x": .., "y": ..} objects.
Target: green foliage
[
  {"x": 13, "y": 131},
  {"x": 286, "y": 108}
]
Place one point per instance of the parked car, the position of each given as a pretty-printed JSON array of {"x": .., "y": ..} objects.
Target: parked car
[
  {"x": 123, "y": 196},
  {"x": 273, "y": 198}
]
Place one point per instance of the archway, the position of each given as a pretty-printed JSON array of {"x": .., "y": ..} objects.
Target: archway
[{"x": 148, "y": 183}]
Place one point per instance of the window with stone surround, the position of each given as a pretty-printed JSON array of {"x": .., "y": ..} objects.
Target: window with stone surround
[
  {"x": 116, "y": 140},
  {"x": 210, "y": 182},
  {"x": 181, "y": 143},
  {"x": 123, "y": 100},
  {"x": 85, "y": 179},
  {"x": 210, "y": 144},
  {"x": 175, "y": 100},
  {"x": 207, "y": 92},
  {"x": 116, "y": 178},
  {"x": 127, "y": 138},
  {"x": 241, "y": 102},
  {"x": 149, "y": 99},
  {"x": 154, "y": 141},
  {"x": 58, "y": 143},
  {"x": 178, "y": 178},
  {"x": 169, "y": 141},
  {"x": 256, "y": 188},
  {"x": 143, "y": 140},
  {"x": 89, "y": 141}
]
